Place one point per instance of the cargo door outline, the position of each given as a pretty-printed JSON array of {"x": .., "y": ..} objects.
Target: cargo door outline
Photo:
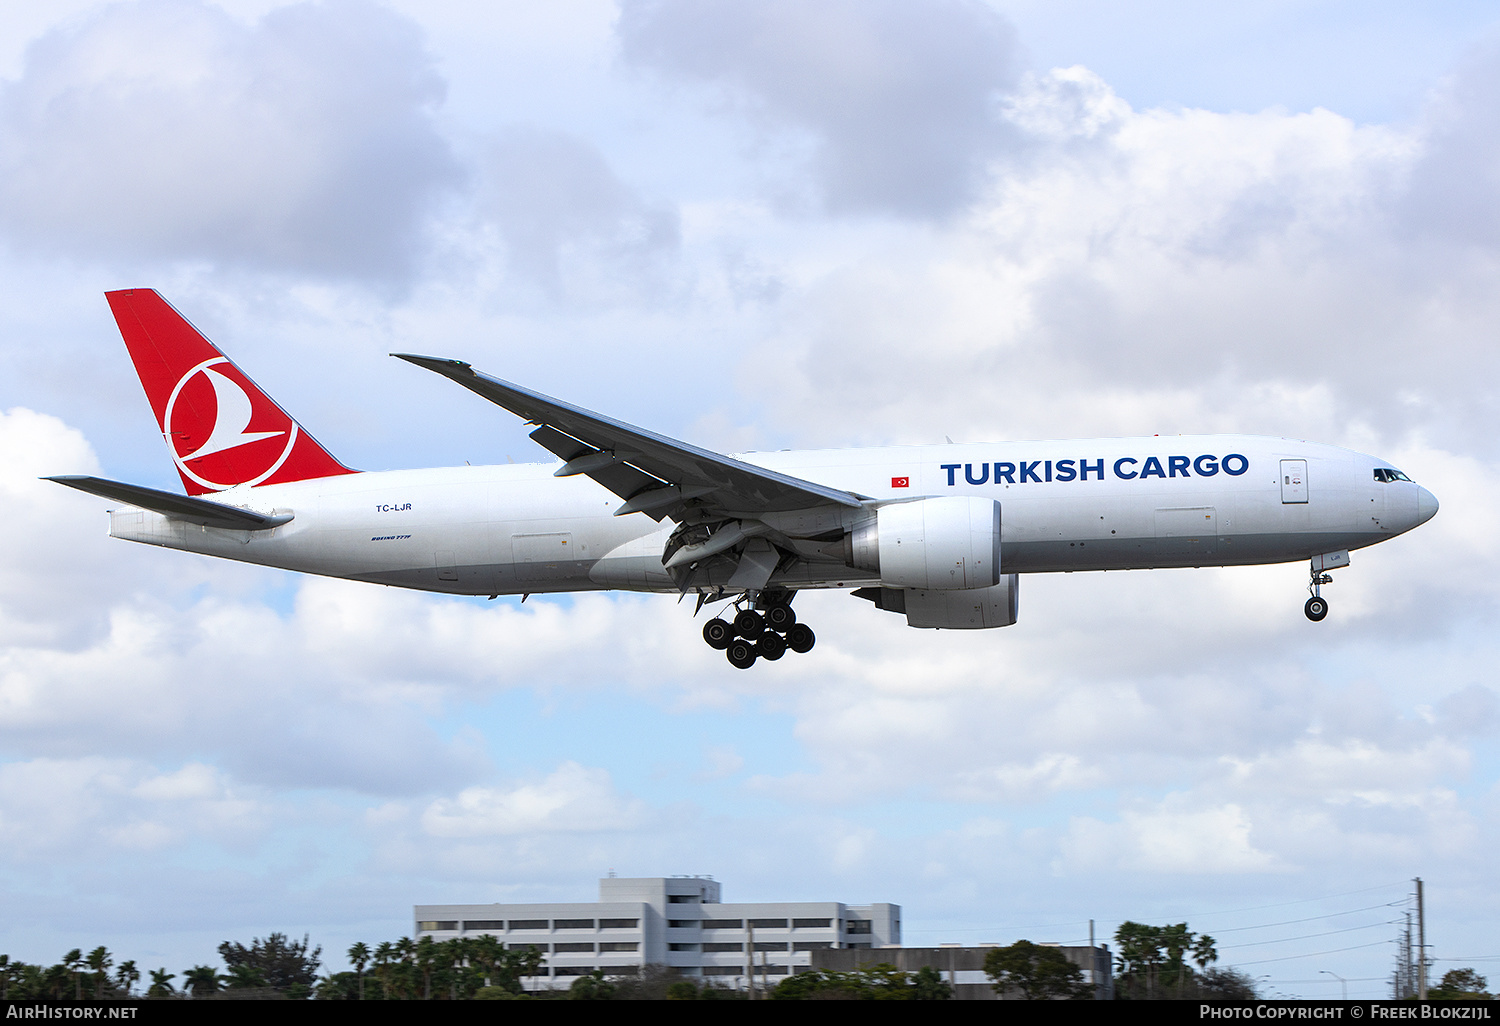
[
  {"x": 542, "y": 557},
  {"x": 1187, "y": 530}
]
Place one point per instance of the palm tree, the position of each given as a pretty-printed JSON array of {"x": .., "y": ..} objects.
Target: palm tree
[
  {"x": 245, "y": 977},
  {"x": 73, "y": 963},
  {"x": 161, "y": 983},
  {"x": 99, "y": 961},
  {"x": 426, "y": 958},
  {"x": 359, "y": 954},
  {"x": 202, "y": 980},
  {"x": 127, "y": 976},
  {"x": 384, "y": 952}
]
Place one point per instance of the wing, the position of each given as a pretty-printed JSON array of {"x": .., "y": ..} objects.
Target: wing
[
  {"x": 182, "y": 507},
  {"x": 654, "y": 474}
]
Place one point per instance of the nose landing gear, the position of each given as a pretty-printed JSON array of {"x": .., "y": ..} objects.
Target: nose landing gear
[
  {"x": 767, "y": 631},
  {"x": 1317, "y": 607}
]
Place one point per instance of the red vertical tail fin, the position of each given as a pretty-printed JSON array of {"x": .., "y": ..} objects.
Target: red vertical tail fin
[{"x": 220, "y": 428}]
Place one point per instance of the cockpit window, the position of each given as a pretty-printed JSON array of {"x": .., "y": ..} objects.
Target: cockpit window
[{"x": 1387, "y": 474}]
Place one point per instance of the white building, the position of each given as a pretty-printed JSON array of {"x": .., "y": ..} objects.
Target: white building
[{"x": 679, "y": 921}]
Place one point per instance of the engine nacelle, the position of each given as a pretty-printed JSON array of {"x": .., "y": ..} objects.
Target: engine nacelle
[
  {"x": 975, "y": 609},
  {"x": 951, "y": 543}
]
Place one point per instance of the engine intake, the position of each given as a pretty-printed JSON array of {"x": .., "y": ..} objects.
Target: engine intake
[{"x": 944, "y": 544}]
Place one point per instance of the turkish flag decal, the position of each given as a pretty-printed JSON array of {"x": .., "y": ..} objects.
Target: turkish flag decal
[{"x": 900, "y": 482}]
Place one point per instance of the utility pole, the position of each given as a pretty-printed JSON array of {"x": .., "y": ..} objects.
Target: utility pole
[
  {"x": 1421, "y": 946},
  {"x": 1093, "y": 963},
  {"x": 750, "y": 957}
]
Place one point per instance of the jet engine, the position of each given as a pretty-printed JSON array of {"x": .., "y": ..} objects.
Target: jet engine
[
  {"x": 944, "y": 544},
  {"x": 973, "y": 609}
]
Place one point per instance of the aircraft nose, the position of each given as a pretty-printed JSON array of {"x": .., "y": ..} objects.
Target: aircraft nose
[{"x": 1427, "y": 505}]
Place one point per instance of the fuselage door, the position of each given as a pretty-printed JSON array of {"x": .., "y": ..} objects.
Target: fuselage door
[
  {"x": 1187, "y": 531},
  {"x": 542, "y": 557},
  {"x": 1293, "y": 481}
]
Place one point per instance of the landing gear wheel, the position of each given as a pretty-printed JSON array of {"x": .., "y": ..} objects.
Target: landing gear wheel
[
  {"x": 749, "y": 624},
  {"x": 780, "y": 618},
  {"x": 771, "y": 646},
  {"x": 1316, "y": 608},
  {"x": 718, "y": 634},
  {"x": 741, "y": 654},
  {"x": 800, "y": 638}
]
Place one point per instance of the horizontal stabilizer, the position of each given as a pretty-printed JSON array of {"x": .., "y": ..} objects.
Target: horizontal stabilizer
[{"x": 180, "y": 507}]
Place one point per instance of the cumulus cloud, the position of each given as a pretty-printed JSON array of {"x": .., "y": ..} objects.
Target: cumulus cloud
[
  {"x": 572, "y": 799},
  {"x": 1452, "y": 193},
  {"x": 53, "y": 807},
  {"x": 559, "y": 207},
  {"x": 168, "y": 130},
  {"x": 899, "y": 96}
]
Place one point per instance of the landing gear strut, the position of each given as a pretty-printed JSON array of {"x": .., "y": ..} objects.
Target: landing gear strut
[
  {"x": 766, "y": 631},
  {"x": 1317, "y": 606}
]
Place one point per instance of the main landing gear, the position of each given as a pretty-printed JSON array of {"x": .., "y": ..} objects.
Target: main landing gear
[
  {"x": 1317, "y": 606},
  {"x": 764, "y": 634}
]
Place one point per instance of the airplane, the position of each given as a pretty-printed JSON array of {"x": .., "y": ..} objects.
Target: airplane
[{"x": 937, "y": 533}]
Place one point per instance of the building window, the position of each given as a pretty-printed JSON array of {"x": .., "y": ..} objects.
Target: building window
[
  {"x": 620, "y": 924},
  {"x": 684, "y": 899},
  {"x": 528, "y": 924},
  {"x": 619, "y": 946},
  {"x": 812, "y": 945},
  {"x": 572, "y": 924},
  {"x": 723, "y": 924},
  {"x": 484, "y": 924},
  {"x": 427, "y": 926},
  {"x": 559, "y": 948},
  {"x": 573, "y": 970},
  {"x": 768, "y": 924},
  {"x": 682, "y": 924},
  {"x": 736, "y": 946},
  {"x": 527, "y": 947},
  {"x": 859, "y": 926},
  {"x": 811, "y": 924},
  {"x": 770, "y": 945},
  {"x": 723, "y": 970}
]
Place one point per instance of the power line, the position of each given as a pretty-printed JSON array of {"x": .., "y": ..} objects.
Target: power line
[
  {"x": 1308, "y": 936},
  {"x": 1312, "y": 954}
]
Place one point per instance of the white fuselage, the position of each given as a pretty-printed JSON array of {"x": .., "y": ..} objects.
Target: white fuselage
[{"x": 1087, "y": 504}]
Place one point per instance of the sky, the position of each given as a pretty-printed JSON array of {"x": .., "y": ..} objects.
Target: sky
[{"x": 757, "y": 226}]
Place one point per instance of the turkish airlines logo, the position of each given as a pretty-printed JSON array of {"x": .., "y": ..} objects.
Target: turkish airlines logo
[
  {"x": 217, "y": 449},
  {"x": 900, "y": 482}
]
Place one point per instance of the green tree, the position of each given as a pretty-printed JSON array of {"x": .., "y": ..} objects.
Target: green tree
[
  {"x": 1152, "y": 961},
  {"x": 1039, "y": 972},
  {"x": 879, "y": 982},
  {"x": 1461, "y": 985},
  {"x": 682, "y": 990},
  {"x": 201, "y": 981},
  {"x": 99, "y": 962},
  {"x": 126, "y": 977},
  {"x": 338, "y": 987},
  {"x": 73, "y": 963},
  {"x": 161, "y": 984},
  {"x": 359, "y": 957},
  {"x": 929, "y": 985},
  {"x": 245, "y": 977},
  {"x": 426, "y": 956},
  {"x": 593, "y": 987},
  {"x": 287, "y": 966}
]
